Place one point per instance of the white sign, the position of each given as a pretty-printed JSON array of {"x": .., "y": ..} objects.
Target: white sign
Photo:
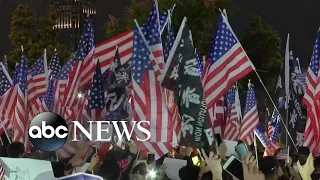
[
  {"x": 82, "y": 169},
  {"x": 27, "y": 169},
  {"x": 173, "y": 167},
  {"x": 231, "y": 148},
  {"x": 81, "y": 176}
]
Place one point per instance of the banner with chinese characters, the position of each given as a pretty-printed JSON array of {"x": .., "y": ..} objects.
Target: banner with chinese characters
[
  {"x": 296, "y": 125},
  {"x": 182, "y": 75}
]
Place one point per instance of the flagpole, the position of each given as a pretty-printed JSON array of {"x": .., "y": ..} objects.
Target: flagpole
[
  {"x": 287, "y": 83},
  {"x": 275, "y": 107},
  {"x": 287, "y": 119},
  {"x": 254, "y": 69},
  {"x": 256, "y": 148}
]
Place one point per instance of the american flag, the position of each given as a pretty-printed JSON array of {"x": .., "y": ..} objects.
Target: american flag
[
  {"x": 269, "y": 129},
  {"x": 20, "y": 120},
  {"x": 16, "y": 73},
  {"x": 39, "y": 72},
  {"x": 75, "y": 114},
  {"x": 48, "y": 98},
  {"x": 81, "y": 73},
  {"x": 78, "y": 112},
  {"x": 152, "y": 34},
  {"x": 284, "y": 154},
  {"x": 232, "y": 130},
  {"x": 312, "y": 134},
  {"x": 2, "y": 172},
  {"x": 270, "y": 147},
  {"x": 7, "y": 107},
  {"x": 229, "y": 63},
  {"x": 54, "y": 66},
  {"x": 169, "y": 39},
  {"x": 96, "y": 105},
  {"x": 5, "y": 80},
  {"x": 164, "y": 18},
  {"x": 250, "y": 119},
  {"x": 148, "y": 98},
  {"x": 60, "y": 85},
  {"x": 124, "y": 41},
  {"x": 276, "y": 131},
  {"x": 7, "y": 98},
  {"x": 198, "y": 60}
]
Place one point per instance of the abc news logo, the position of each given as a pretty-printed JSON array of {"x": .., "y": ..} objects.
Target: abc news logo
[{"x": 49, "y": 132}]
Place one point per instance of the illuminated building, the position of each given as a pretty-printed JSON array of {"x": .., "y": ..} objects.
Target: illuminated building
[{"x": 70, "y": 17}]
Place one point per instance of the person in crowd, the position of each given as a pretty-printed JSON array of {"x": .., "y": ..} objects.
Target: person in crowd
[
  {"x": 5, "y": 141},
  {"x": 15, "y": 150},
  {"x": 307, "y": 169},
  {"x": 116, "y": 167},
  {"x": 316, "y": 173},
  {"x": 190, "y": 172}
]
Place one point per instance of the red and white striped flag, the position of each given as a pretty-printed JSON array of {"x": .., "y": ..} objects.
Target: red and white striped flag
[
  {"x": 39, "y": 76},
  {"x": 312, "y": 131},
  {"x": 229, "y": 63},
  {"x": 149, "y": 100},
  {"x": 21, "y": 121},
  {"x": 2, "y": 172},
  {"x": 7, "y": 107},
  {"x": 251, "y": 118},
  {"x": 82, "y": 71},
  {"x": 232, "y": 131}
]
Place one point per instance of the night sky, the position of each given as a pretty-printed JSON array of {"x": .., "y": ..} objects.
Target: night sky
[{"x": 297, "y": 17}]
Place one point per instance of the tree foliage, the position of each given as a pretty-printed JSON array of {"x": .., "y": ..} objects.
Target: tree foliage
[
  {"x": 202, "y": 16},
  {"x": 263, "y": 46},
  {"x": 35, "y": 35}
]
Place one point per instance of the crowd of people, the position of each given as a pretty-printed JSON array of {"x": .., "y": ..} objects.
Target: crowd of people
[{"x": 128, "y": 163}]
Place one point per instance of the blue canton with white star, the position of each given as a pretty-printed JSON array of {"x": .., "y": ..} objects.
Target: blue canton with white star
[
  {"x": 86, "y": 43},
  {"x": 140, "y": 57},
  {"x": 16, "y": 74},
  {"x": 23, "y": 73},
  {"x": 276, "y": 131},
  {"x": 151, "y": 29},
  {"x": 54, "y": 66},
  {"x": 263, "y": 139},
  {"x": 314, "y": 63},
  {"x": 223, "y": 42},
  {"x": 38, "y": 67},
  {"x": 251, "y": 100},
  {"x": 96, "y": 93},
  {"x": 5, "y": 82},
  {"x": 64, "y": 72},
  {"x": 169, "y": 42},
  {"x": 49, "y": 96}
]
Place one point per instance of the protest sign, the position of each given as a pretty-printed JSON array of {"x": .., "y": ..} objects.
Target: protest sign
[
  {"x": 27, "y": 169},
  {"x": 173, "y": 167},
  {"x": 81, "y": 176}
]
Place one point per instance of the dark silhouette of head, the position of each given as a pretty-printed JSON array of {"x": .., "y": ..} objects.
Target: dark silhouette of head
[{"x": 15, "y": 150}]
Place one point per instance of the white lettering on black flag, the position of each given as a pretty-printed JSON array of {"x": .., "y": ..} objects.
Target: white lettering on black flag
[{"x": 182, "y": 75}]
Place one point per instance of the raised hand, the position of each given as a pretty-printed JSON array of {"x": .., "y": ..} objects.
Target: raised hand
[
  {"x": 213, "y": 162},
  {"x": 250, "y": 168}
]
